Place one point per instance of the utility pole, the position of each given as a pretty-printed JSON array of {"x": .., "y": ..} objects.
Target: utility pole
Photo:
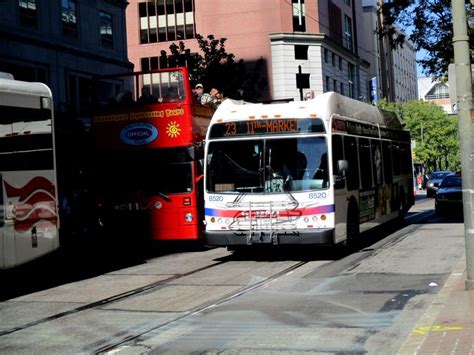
[{"x": 466, "y": 117}]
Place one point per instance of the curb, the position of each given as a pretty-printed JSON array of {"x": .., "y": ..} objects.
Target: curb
[{"x": 425, "y": 324}]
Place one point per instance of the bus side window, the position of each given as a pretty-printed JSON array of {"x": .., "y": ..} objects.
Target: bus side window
[
  {"x": 2, "y": 211},
  {"x": 377, "y": 161},
  {"x": 337, "y": 154},
  {"x": 350, "y": 151},
  {"x": 396, "y": 158},
  {"x": 405, "y": 152},
  {"x": 387, "y": 162},
  {"x": 365, "y": 163}
]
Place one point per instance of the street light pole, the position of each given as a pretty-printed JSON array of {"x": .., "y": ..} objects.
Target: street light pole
[{"x": 465, "y": 113}]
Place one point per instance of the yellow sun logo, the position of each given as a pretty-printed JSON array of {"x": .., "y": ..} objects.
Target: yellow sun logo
[{"x": 173, "y": 129}]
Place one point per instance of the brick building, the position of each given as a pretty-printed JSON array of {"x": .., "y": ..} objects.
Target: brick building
[{"x": 319, "y": 39}]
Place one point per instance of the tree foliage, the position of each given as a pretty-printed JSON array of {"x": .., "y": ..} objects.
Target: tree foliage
[
  {"x": 431, "y": 24},
  {"x": 435, "y": 133},
  {"x": 212, "y": 66}
]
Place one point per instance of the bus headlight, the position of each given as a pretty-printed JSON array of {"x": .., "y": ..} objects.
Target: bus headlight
[{"x": 188, "y": 217}]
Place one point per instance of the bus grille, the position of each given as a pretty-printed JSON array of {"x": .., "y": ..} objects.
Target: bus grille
[{"x": 265, "y": 216}]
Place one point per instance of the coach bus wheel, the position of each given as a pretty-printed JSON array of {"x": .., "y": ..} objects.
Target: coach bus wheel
[{"x": 352, "y": 225}]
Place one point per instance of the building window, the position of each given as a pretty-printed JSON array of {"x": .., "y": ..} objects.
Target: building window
[
  {"x": 334, "y": 85},
  {"x": 69, "y": 17},
  {"x": 28, "y": 13},
  {"x": 326, "y": 53},
  {"x": 437, "y": 92},
  {"x": 327, "y": 84},
  {"x": 299, "y": 22},
  {"x": 151, "y": 63},
  {"x": 333, "y": 60},
  {"x": 162, "y": 21},
  {"x": 106, "y": 33},
  {"x": 301, "y": 52},
  {"x": 350, "y": 79},
  {"x": 335, "y": 23},
  {"x": 341, "y": 88},
  {"x": 348, "y": 32},
  {"x": 340, "y": 63},
  {"x": 347, "y": 2}
]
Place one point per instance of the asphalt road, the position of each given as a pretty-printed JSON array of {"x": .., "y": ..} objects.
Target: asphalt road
[{"x": 212, "y": 301}]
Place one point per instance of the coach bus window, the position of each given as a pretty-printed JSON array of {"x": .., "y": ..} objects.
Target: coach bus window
[
  {"x": 365, "y": 163},
  {"x": 377, "y": 161},
  {"x": 396, "y": 158},
  {"x": 387, "y": 162},
  {"x": 350, "y": 150},
  {"x": 337, "y": 154}
]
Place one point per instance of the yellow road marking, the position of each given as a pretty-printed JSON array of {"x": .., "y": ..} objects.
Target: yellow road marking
[{"x": 434, "y": 328}]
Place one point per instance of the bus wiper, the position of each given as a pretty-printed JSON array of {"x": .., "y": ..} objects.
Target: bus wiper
[{"x": 162, "y": 195}]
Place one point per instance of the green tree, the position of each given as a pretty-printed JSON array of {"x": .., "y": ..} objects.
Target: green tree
[
  {"x": 432, "y": 30},
  {"x": 435, "y": 133},
  {"x": 214, "y": 67}
]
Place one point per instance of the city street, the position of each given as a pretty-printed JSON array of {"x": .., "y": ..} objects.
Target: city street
[{"x": 212, "y": 301}]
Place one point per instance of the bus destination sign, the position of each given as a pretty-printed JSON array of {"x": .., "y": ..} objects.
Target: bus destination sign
[{"x": 267, "y": 127}]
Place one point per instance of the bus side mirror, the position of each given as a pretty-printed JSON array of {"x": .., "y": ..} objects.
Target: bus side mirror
[
  {"x": 342, "y": 167},
  {"x": 201, "y": 166}
]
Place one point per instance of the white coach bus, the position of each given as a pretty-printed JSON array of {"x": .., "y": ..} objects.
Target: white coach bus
[
  {"x": 28, "y": 195},
  {"x": 314, "y": 172}
]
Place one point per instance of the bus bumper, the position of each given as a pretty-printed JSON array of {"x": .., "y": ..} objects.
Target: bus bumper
[{"x": 225, "y": 238}]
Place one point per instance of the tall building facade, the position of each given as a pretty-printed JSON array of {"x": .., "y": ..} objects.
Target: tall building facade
[
  {"x": 63, "y": 43},
  {"x": 392, "y": 72},
  {"x": 308, "y": 46}
]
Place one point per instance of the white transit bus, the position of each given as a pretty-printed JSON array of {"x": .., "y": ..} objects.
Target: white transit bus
[
  {"x": 314, "y": 172},
  {"x": 28, "y": 195}
]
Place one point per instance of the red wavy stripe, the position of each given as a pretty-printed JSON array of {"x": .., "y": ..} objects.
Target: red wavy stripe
[
  {"x": 38, "y": 211},
  {"x": 25, "y": 227},
  {"x": 37, "y": 183},
  {"x": 37, "y": 197}
]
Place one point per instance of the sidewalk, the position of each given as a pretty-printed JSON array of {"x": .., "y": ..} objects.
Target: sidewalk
[{"x": 447, "y": 327}]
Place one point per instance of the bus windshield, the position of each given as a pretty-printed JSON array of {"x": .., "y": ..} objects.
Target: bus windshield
[
  {"x": 150, "y": 176},
  {"x": 134, "y": 89},
  {"x": 268, "y": 165}
]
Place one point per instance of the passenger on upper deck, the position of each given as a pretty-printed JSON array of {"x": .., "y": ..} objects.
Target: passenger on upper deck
[
  {"x": 171, "y": 95},
  {"x": 125, "y": 98},
  {"x": 146, "y": 97},
  {"x": 198, "y": 91}
]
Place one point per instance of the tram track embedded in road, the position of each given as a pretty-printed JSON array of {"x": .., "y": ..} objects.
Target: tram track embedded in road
[
  {"x": 111, "y": 346},
  {"x": 111, "y": 299}
]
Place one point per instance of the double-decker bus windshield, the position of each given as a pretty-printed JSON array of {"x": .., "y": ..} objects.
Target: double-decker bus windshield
[
  {"x": 150, "y": 175},
  {"x": 267, "y": 165},
  {"x": 134, "y": 90}
]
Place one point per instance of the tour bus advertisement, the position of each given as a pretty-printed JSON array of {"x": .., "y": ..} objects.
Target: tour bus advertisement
[{"x": 160, "y": 126}]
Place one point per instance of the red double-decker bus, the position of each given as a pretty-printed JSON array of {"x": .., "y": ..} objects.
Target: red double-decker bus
[{"x": 149, "y": 133}]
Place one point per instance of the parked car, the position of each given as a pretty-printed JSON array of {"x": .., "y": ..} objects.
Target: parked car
[
  {"x": 449, "y": 195},
  {"x": 434, "y": 180}
]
